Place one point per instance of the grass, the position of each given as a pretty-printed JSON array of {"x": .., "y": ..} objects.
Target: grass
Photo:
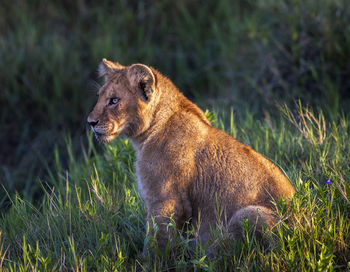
[{"x": 92, "y": 218}]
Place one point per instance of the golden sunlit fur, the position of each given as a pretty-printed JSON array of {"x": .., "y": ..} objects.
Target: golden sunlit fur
[{"x": 184, "y": 166}]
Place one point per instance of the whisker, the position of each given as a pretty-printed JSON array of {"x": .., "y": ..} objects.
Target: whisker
[{"x": 93, "y": 86}]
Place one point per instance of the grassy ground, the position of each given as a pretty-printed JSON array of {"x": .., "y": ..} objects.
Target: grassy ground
[
  {"x": 68, "y": 203},
  {"x": 92, "y": 219}
]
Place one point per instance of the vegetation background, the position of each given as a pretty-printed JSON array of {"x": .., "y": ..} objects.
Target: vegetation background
[{"x": 67, "y": 203}]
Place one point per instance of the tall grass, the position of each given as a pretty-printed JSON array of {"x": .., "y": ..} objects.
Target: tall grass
[{"x": 92, "y": 219}]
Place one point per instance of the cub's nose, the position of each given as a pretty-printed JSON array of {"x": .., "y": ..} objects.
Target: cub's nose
[{"x": 92, "y": 122}]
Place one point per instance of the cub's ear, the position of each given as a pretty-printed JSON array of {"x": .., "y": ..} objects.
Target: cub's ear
[
  {"x": 142, "y": 79},
  {"x": 108, "y": 68}
]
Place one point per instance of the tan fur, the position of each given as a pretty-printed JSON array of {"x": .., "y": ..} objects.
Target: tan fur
[{"x": 184, "y": 166}]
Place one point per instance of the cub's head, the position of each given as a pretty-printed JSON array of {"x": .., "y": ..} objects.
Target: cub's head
[{"x": 123, "y": 105}]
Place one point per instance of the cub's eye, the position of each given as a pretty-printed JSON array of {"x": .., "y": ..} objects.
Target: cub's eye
[{"x": 113, "y": 101}]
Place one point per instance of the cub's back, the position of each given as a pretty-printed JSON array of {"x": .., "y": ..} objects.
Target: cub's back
[{"x": 237, "y": 174}]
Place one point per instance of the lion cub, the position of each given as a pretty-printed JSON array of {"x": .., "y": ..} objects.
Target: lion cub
[{"x": 184, "y": 166}]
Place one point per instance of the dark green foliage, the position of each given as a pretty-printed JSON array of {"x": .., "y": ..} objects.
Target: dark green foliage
[{"x": 246, "y": 54}]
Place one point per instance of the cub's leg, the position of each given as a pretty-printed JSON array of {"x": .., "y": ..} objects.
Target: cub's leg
[
  {"x": 159, "y": 213},
  {"x": 258, "y": 216}
]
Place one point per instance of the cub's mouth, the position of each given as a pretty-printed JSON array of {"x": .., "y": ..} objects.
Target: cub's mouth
[{"x": 105, "y": 134}]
